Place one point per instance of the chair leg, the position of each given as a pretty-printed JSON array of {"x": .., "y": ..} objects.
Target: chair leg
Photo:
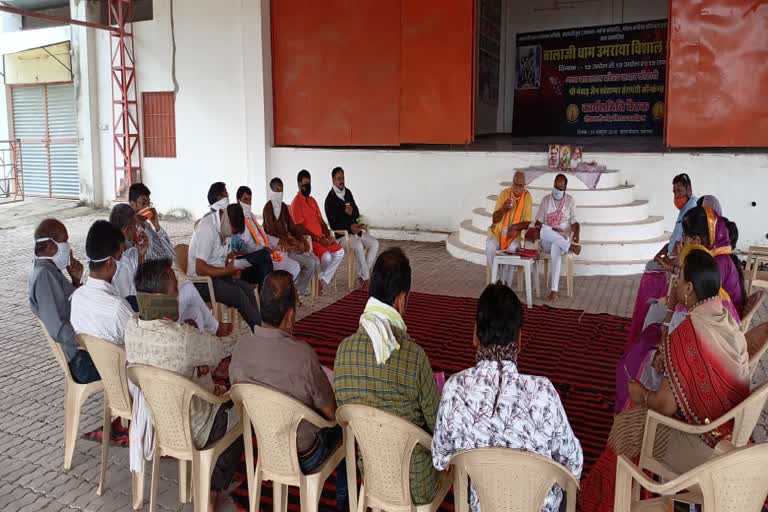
[
  {"x": 155, "y": 478},
  {"x": 184, "y": 496},
  {"x": 202, "y": 467},
  {"x": 279, "y": 497},
  {"x": 309, "y": 493},
  {"x": 137, "y": 485},
  {"x": 72, "y": 404},
  {"x": 106, "y": 434},
  {"x": 569, "y": 276},
  {"x": 460, "y": 485},
  {"x": 361, "y": 500},
  {"x": 254, "y": 490},
  {"x": 527, "y": 275},
  {"x": 351, "y": 462}
]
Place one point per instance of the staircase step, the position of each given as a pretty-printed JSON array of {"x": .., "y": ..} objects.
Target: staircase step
[
  {"x": 587, "y": 197},
  {"x": 630, "y": 211},
  {"x": 646, "y": 229},
  {"x": 611, "y": 178}
]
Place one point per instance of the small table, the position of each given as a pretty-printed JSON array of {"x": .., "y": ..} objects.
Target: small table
[{"x": 527, "y": 265}]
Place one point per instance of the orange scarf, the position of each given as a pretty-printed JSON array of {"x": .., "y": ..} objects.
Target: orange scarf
[
  {"x": 506, "y": 235},
  {"x": 275, "y": 255}
]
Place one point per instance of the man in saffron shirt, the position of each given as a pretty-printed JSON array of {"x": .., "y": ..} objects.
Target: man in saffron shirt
[
  {"x": 512, "y": 215},
  {"x": 306, "y": 214}
]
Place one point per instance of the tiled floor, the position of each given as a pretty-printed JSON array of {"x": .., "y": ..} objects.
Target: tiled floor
[{"x": 31, "y": 453}]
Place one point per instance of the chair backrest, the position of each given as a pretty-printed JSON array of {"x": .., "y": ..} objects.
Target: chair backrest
[
  {"x": 111, "y": 362},
  {"x": 57, "y": 353},
  {"x": 386, "y": 442},
  {"x": 182, "y": 255},
  {"x": 734, "y": 482},
  {"x": 275, "y": 418},
  {"x": 169, "y": 396},
  {"x": 757, "y": 344},
  {"x": 508, "y": 480},
  {"x": 754, "y": 302},
  {"x": 747, "y": 413}
]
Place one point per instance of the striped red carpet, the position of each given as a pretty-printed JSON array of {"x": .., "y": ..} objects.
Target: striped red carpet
[{"x": 577, "y": 351}]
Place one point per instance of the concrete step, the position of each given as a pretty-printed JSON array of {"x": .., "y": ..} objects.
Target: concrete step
[
  {"x": 646, "y": 229},
  {"x": 591, "y": 250},
  {"x": 630, "y": 211},
  {"x": 458, "y": 249},
  {"x": 587, "y": 197},
  {"x": 611, "y": 178}
]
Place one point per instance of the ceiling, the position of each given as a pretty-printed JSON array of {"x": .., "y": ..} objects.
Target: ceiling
[{"x": 34, "y": 5}]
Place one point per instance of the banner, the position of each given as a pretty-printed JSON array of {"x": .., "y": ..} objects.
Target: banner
[{"x": 606, "y": 80}]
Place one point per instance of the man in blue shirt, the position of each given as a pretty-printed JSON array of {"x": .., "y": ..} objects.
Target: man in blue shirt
[{"x": 684, "y": 201}]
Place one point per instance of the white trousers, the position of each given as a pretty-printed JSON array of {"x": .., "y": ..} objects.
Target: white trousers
[
  {"x": 366, "y": 249},
  {"x": 329, "y": 263},
  {"x": 492, "y": 245},
  {"x": 288, "y": 264},
  {"x": 556, "y": 245}
]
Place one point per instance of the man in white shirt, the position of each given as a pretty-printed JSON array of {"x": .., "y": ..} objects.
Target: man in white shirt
[
  {"x": 209, "y": 256},
  {"x": 559, "y": 230},
  {"x": 159, "y": 245},
  {"x": 124, "y": 218},
  {"x": 97, "y": 307}
]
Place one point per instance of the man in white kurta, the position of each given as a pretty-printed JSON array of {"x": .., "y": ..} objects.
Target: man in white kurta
[{"x": 559, "y": 230}]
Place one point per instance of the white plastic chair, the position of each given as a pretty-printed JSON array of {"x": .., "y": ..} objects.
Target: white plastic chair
[
  {"x": 169, "y": 396},
  {"x": 110, "y": 360},
  {"x": 508, "y": 480},
  {"x": 386, "y": 442},
  {"x": 736, "y": 481},
  {"x": 757, "y": 344},
  {"x": 75, "y": 396},
  {"x": 275, "y": 417},
  {"x": 754, "y": 302}
]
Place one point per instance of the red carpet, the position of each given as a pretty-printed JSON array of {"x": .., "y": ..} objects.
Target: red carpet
[{"x": 577, "y": 351}]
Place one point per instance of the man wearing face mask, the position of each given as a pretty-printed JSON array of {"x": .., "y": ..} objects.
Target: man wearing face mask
[
  {"x": 279, "y": 224},
  {"x": 556, "y": 220},
  {"x": 306, "y": 214},
  {"x": 98, "y": 309},
  {"x": 50, "y": 291},
  {"x": 512, "y": 215},
  {"x": 135, "y": 251},
  {"x": 684, "y": 201},
  {"x": 209, "y": 256}
]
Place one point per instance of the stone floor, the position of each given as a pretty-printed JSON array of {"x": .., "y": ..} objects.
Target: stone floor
[{"x": 31, "y": 434}]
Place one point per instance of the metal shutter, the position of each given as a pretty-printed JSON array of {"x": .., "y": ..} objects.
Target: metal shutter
[{"x": 48, "y": 152}]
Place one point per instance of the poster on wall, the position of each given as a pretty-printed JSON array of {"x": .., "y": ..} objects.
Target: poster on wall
[{"x": 606, "y": 80}]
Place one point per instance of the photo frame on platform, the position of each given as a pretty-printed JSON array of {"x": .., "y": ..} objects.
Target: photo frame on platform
[{"x": 528, "y": 67}]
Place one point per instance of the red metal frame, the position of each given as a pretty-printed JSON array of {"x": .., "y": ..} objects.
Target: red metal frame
[{"x": 125, "y": 106}]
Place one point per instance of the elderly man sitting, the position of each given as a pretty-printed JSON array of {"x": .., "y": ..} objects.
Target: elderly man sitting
[
  {"x": 511, "y": 216},
  {"x": 556, "y": 221}
]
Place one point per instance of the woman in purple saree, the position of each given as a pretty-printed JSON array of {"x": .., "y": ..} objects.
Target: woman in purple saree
[{"x": 701, "y": 227}]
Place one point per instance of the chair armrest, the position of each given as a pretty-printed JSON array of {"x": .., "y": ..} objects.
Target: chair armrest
[
  {"x": 317, "y": 420},
  {"x": 625, "y": 466},
  {"x": 682, "y": 426},
  {"x": 206, "y": 396}
]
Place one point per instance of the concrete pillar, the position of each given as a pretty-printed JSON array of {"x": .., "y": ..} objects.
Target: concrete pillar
[
  {"x": 257, "y": 96},
  {"x": 84, "y": 71}
]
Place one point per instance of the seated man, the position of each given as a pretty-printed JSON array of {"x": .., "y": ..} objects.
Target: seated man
[
  {"x": 343, "y": 215},
  {"x": 97, "y": 307},
  {"x": 50, "y": 291},
  {"x": 272, "y": 357},
  {"x": 306, "y": 214},
  {"x": 124, "y": 218},
  {"x": 684, "y": 201},
  {"x": 492, "y": 405},
  {"x": 278, "y": 223},
  {"x": 556, "y": 220},
  {"x": 381, "y": 366},
  {"x": 155, "y": 338},
  {"x": 159, "y": 245},
  {"x": 208, "y": 256},
  {"x": 511, "y": 216},
  {"x": 256, "y": 263}
]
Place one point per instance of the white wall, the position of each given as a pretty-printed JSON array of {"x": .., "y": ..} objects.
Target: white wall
[
  {"x": 436, "y": 190},
  {"x": 218, "y": 104},
  {"x": 539, "y": 15}
]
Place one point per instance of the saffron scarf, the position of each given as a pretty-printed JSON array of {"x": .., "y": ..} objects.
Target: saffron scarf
[
  {"x": 516, "y": 218},
  {"x": 718, "y": 234},
  {"x": 250, "y": 225},
  {"x": 378, "y": 320},
  {"x": 692, "y": 247}
]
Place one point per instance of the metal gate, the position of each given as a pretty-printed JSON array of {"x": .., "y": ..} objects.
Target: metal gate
[{"x": 45, "y": 121}]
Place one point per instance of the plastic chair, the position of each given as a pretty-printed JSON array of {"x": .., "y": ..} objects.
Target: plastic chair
[
  {"x": 111, "y": 362},
  {"x": 757, "y": 344},
  {"x": 744, "y": 415},
  {"x": 75, "y": 396},
  {"x": 754, "y": 302},
  {"x": 736, "y": 481},
  {"x": 754, "y": 277},
  {"x": 169, "y": 396},
  {"x": 508, "y": 480},
  {"x": 275, "y": 418},
  {"x": 567, "y": 267},
  {"x": 350, "y": 255},
  {"x": 386, "y": 442}
]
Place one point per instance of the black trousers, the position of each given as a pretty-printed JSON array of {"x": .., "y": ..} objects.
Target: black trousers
[
  {"x": 235, "y": 293},
  {"x": 229, "y": 460},
  {"x": 261, "y": 267}
]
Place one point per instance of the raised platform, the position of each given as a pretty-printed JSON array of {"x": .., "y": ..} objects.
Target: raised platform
[{"x": 618, "y": 234}]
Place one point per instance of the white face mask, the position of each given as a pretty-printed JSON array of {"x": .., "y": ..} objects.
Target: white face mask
[
  {"x": 557, "y": 194},
  {"x": 61, "y": 258},
  {"x": 276, "y": 198},
  {"x": 246, "y": 208},
  {"x": 220, "y": 204}
]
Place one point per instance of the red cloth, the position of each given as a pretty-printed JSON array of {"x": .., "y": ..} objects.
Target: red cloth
[{"x": 305, "y": 211}]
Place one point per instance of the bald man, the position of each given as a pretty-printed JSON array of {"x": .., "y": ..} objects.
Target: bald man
[
  {"x": 50, "y": 292},
  {"x": 511, "y": 216}
]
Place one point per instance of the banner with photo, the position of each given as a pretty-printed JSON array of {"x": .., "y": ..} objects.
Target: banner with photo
[{"x": 606, "y": 80}]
